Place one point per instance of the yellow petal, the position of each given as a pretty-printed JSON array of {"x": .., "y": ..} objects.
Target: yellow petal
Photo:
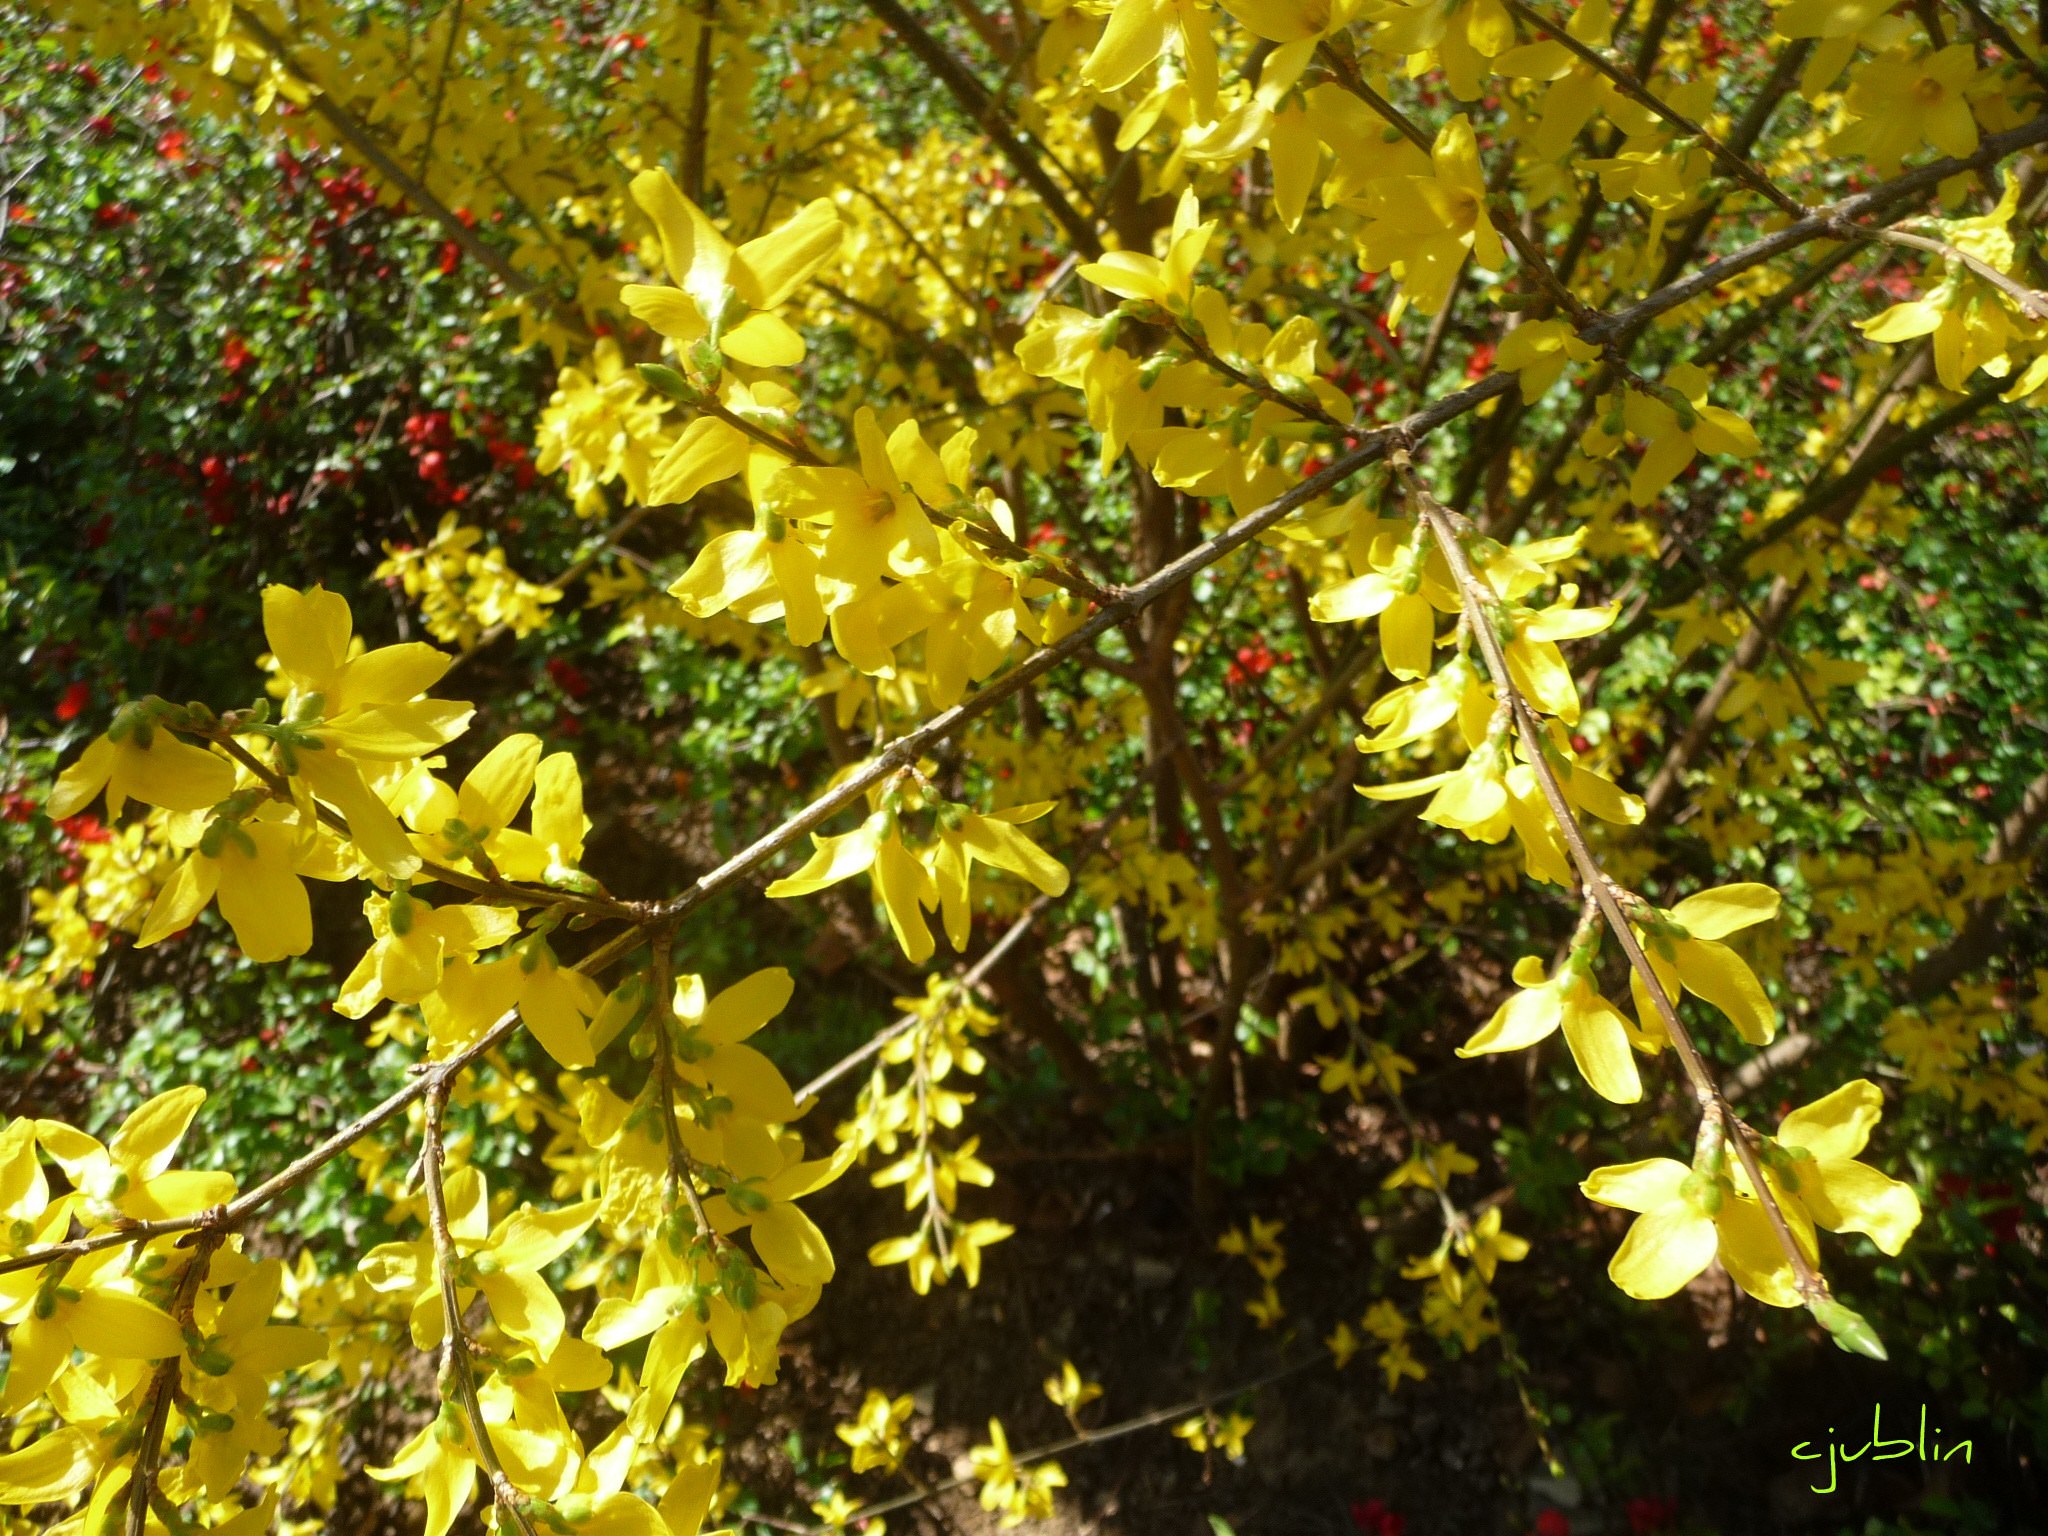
[
  {"x": 835, "y": 859},
  {"x": 1524, "y": 1019},
  {"x": 180, "y": 902},
  {"x": 669, "y": 311},
  {"x": 1599, "y": 1040},
  {"x": 763, "y": 341},
  {"x": 171, "y": 773},
  {"x": 524, "y": 1306},
  {"x": 906, "y": 888},
  {"x": 1407, "y": 633},
  {"x": 392, "y": 674},
  {"x": 768, "y": 270},
  {"x": 371, "y": 826},
  {"x": 1837, "y": 1126},
  {"x": 1846, "y": 1196},
  {"x": 792, "y": 1247},
  {"x": 558, "y": 819},
  {"x": 1362, "y": 597},
  {"x": 85, "y": 778},
  {"x": 695, "y": 253},
  {"x": 123, "y": 1327},
  {"x": 996, "y": 841},
  {"x": 308, "y": 633},
  {"x": 148, "y": 1139},
  {"x": 1639, "y": 1186},
  {"x": 743, "y": 1075},
  {"x": 1720, "y": 976},
  {"x": 706, "y": 452},
  {"x": 1135, "y": 35},
  {"x": 1723, "y": 910},
  {"x": 1665, "y": 1248},
  {"x": 745, "y": 1006},
  {"x": 262, "y": 898},
  {"x": 52, "y": 1470},
  {"x": 1752, "y": 1255}
]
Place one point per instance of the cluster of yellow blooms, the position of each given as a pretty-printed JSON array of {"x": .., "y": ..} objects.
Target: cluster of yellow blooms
[
  {"x": 902, "y": 1120},
  {"x": 681, "y": 341},
  {"x": 119, "y": 869},
  {"x": 339, "y": 783},
  {"x": 462, "y": 590}
]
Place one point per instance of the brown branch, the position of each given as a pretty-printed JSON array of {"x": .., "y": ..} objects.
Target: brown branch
[
  {"x": 456, "y": 1361},
  {"x": 1480, "y": 604},
  {"x": 908, "y": 747},
  {"x": 304, "y": 1167},
  {"x": 163, "y": 1386},
  {"x": 697, "y": 133},
  {"x": 1626, "y": 82},
  {"x": 987, "y": 113}
]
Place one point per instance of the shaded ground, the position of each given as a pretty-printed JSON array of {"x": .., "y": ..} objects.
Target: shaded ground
[{"x": 1108, "y": 1269}]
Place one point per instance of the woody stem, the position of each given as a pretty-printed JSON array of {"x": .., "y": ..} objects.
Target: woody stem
[{"x": 1479, "y": 600}]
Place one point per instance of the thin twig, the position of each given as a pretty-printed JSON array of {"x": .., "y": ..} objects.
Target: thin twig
[
  {"x": 1480, "y": 603},
  {"x": 456, "y": 1362}
]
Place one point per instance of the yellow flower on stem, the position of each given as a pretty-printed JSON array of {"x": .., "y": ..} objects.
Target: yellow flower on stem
[
  {"x": 1486, "y": 1245},
  {"x": 1020, "y": 1492},
  {"x": 723, "y": 296},
  {"x": 1399, "y": 1364},
  {"x": 1819, "y": 1168},
  {"x": 86, "y": 1307},
  {"x": 1683, "y": 947},
  {"x": 251, "y": 867},
  {"x": 1422, "y": 227},
  {"x": 1685, "y": 1220},
  {"x": 1599, "y": 1036},
  {"x": 877, "y": 1435},
  {"x": 1137, "y": 33},
  {"x": 140, "y": 760},
  {"x": 473, "y": 825},
  {"x": 1900, "y": 102},
  {"x": 130, "y": 1177},
  {"x": 412, "y": 942},
  {"x": 1207, "y": 1432},
  {"x": 1675, "y": 424},
  {"x": 1538, "y": 351},
  {"x": 504, "y": 1264},
  {"x": 967, "y": 837},
  {"x": 1168, "y": 283}
]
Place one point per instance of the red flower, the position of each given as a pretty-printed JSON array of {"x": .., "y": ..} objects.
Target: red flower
[
  {"x": 1552, "y": 1522},
  {"x": 235, "y": 354},
  {"x": 170, "y": 145},
  {"x": 568, "y": 677},
  {"x": 1373, "y": 1518},
  {"x": 1648, "y": 1515}
]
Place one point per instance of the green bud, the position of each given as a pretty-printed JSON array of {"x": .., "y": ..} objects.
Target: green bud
[
  {"x": 1703, "y": 1192},
  {"x": 213, "y": 1360},
  {"x": 401, "y": 911},
  {"x": 1849, "y": 1330},
  {"x": 665, "y": 380}
]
